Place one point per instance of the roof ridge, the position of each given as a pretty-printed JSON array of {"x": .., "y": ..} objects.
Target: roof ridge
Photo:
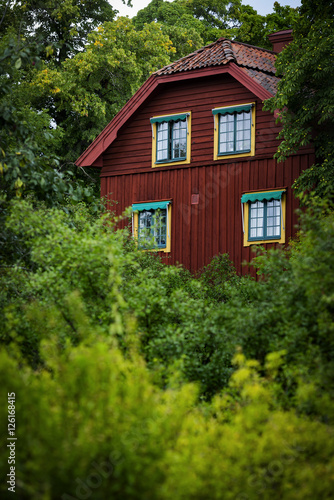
[
  {"x": 223, "y": 51},
  {"x": 198, "y": 51},
  {"x": 228, "y": 49}
]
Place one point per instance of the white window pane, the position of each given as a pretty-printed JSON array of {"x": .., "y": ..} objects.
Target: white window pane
[
  {"x": 222, "y": 147},
  {"x": 162, "y": 127},
  {"x": 162, "y": 155},
  {"x": 230, "y": 126}
]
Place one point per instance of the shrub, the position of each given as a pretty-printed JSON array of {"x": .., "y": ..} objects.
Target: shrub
[{"x": 92, "y": 425}]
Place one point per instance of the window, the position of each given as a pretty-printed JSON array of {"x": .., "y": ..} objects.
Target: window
[
  {"x": 234, "y": 131},
  {"x": 263, "y": 217},
  {"x": 171, "y": 137},
  {"x": 151, "y": 225}
]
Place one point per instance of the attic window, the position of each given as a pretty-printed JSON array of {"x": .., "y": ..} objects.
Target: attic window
[
  {"x": 171, "y": 139},
  {"x": 234, "y": 131}
]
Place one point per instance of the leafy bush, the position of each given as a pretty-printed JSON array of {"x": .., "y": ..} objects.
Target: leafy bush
[
  {"x": 216, "y": 275},
  {"x": 178, "y": 326},
  {"x": 92, "y": 425},
  {"x": 62, "y": 252}
]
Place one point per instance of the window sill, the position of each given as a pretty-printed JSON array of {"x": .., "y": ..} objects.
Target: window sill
[
  {"x": 222, "y": 156},
  {"x": 262, "y": 242},
  {"x": 166, "y": 163}
]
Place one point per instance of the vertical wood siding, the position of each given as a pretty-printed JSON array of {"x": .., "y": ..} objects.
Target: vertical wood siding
[{"x": 213, "y": 226}]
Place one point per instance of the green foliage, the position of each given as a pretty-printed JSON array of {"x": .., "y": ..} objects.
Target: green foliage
[
  {"x": 219, "y": 276},
  {"x": 212, "y": 20},
  {"x": 29, "y": 165},
  {"x": 62, "y": 26},
  {"x": 59, "y": 253},
  {"x": 305, "y": 95},
  {"x": 71, "y": 69},
  {"x": 99, "y": 344},
  {"x": 254, "y": 28},
  {"x": 200, "y": 22},
  {"x": 192, "y": 324},
  {"x": 86, "y": 91},
  {"x": 21, "y": 128},
  {"x": 177, "y": 21},
  {"x": 95, "y": 413},
  {"x": 92, "y": 423}
]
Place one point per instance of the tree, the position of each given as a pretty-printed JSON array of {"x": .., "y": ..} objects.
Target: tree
[
  {"x": 63, "y": 25},
  {"x": 28, "y": 161},
  {"x": 207, "y": 19},
  {"x": 86, "y": 91},
  {"x": 305, "y": 95},
  {"x": 29, "y": 164},
  {"x": 213, "y": 19},
  {"x": 177, "y": 22},
  {"x": 254, "y": 28}
]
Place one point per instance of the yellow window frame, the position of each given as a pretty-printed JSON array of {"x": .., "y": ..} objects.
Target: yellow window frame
[
  {"x": 154, "y": 142},
  {"x": 216, "y": 156},
  {"x": 245, "y": 208},
  {"x": 135, "y": 222}
]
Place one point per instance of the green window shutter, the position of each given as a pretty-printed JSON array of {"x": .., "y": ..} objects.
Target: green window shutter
[
  {"x": 268, "y": 195},
  {"x": 232, "y": 109},
  {"x": 173, "y": 118},
  {"x": 152, "y": 205}
]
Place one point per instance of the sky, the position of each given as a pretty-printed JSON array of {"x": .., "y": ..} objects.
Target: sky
[{"x": 262, "y": 7}]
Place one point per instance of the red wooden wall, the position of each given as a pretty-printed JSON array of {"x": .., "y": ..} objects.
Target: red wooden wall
[{"x": 213, "y": 226}]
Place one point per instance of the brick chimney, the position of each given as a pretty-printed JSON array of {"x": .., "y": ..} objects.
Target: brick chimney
[{"x": 280, "y": 39}]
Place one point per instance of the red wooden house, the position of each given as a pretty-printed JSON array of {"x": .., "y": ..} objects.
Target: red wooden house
[{"x": 192, "y": 153}]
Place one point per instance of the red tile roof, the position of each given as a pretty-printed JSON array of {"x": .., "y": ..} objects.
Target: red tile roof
[{"x": 256, "y": 62}]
